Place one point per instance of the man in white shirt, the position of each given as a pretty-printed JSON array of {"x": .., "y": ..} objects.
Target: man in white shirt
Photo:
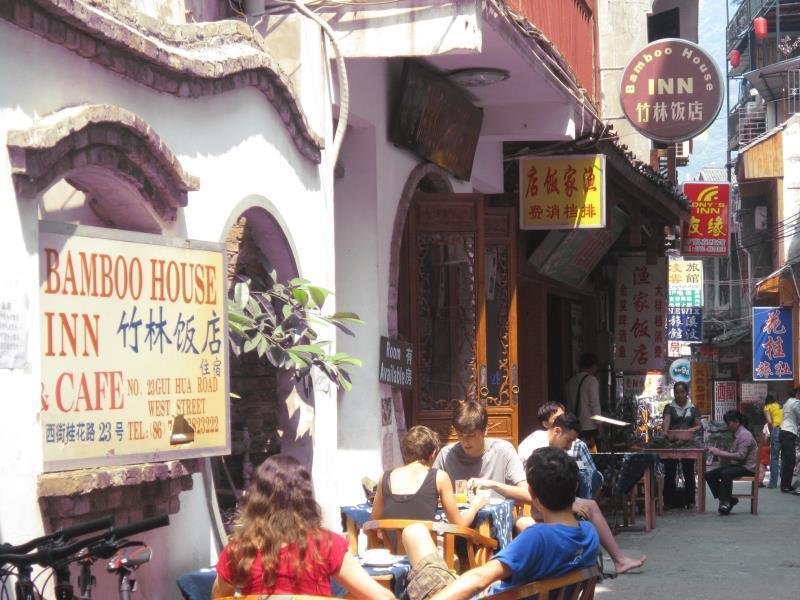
[
  {"x": 538, "y": 439},
  {"x": 582, "y": 397}
]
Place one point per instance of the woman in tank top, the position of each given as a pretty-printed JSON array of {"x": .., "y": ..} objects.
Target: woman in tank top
[{"x": 413, "y": 490}]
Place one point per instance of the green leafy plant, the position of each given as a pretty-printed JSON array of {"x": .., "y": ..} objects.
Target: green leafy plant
[{"x": 278, "y": 323}]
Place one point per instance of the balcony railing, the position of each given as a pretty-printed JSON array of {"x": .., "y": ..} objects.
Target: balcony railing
[
  {"x": 752, "y": 123},
  {"x": 742, "y": 19}
]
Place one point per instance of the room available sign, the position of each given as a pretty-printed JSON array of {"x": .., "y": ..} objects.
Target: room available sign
[{"x": 133, "y": 333}]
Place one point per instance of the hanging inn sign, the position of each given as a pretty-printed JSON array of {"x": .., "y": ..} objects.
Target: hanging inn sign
[{"x": 671, "y": 90}]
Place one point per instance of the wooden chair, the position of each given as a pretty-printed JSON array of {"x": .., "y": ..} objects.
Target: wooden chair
[
  {"x": 582, "y": 582},
  {"x": 479, "y": 547},
  {"x": 753, "y": 495}
]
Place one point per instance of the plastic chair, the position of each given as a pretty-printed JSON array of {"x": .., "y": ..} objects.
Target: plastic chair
[
  {"x": 479, "y": 547},
  {"x": 753, "y": 495},
  {"x": 579, "y": 583}
]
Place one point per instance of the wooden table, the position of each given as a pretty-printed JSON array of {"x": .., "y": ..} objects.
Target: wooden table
[{"x": 698, "y": 455}]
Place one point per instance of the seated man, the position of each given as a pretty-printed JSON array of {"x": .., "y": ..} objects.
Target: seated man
[
  {"x": 591, "y": 479},
  {"x": 538, "y": 439},
  {"x": 742, "y": 455},
  {"x": 485, "y": 462},
  {"x": 562, "y": 435},
  {"x": 555, "y": 547}
]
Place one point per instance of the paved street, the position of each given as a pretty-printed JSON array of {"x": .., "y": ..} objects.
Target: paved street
[{"x": 708, "y": 557}]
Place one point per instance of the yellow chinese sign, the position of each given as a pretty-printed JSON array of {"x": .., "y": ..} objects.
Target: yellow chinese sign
[
  {"x": 133, "y": 333},
  {"x": 562, "y": 192}
]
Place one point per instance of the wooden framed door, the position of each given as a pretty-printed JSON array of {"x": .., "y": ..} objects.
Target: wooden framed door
[{"x": 448, "y": 252}]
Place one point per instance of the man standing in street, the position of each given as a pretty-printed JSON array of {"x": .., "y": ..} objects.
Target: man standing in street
[
  {"x": 582, "y": 397},
  {"x": 788, "y": 439},
  {"x": 743, "y": 456}
]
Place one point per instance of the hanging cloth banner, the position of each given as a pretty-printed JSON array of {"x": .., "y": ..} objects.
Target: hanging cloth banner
[
  {"x": 640, "y": 342},
  {"x": 773, "y": 355}
]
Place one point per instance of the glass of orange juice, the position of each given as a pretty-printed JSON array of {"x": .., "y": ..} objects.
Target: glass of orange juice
[{"x": 461, "y": 491}]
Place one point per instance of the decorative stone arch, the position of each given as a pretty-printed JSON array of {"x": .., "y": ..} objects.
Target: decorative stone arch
[
  {"x": 437, "y": 181},
  {"x": 185, "y": 60},
  {"x": 424, "y": 177},
  {"x": 98, "y": 149},
  {"x": 270, "y": 401}
]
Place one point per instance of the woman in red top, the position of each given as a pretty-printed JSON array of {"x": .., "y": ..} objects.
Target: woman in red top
[{"x": 282, "y": 547}]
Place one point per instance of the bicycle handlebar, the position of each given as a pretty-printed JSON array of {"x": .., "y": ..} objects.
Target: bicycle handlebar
[
  {"x": 63, "y": 534},
  {"x": 50, "y": 556}
]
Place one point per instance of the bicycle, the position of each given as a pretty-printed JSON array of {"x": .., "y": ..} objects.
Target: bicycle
[{"x": 53, "y": 552}]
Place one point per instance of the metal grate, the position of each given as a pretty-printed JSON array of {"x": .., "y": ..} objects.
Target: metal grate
[{"x": 752, "y": 123}]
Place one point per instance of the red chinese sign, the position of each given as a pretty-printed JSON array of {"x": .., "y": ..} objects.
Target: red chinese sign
[
  {"x": 706, "y": 232},
  {"x": 562, "y": 192},
  {"x": 671, "y": 90},
  {"x": 724, "y": 398},
  {"x": 640, "y": 342}
]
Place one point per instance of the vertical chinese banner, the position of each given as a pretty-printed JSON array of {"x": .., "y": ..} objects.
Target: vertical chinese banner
[
  {"x": 773, "y": 353},
  {"x": 562, "y": 192},
  {"x": 701, "y": 387},
  {"x": 639, "y": 325},
  {"x": 724, "y": 398},
  {"x": 686, "y": 283},
  {"x": 706, "y": 232},
  {"x": 133, "y": 334}
]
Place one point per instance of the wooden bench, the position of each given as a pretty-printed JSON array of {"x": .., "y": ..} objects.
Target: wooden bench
[{"x": 753, "y": 480}]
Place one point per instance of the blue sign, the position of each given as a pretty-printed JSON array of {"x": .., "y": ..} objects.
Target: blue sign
[
  {"x": 773, "y": 355},
  {"x": 681, "y": 370},
  {"x": 685, "y": 324}
]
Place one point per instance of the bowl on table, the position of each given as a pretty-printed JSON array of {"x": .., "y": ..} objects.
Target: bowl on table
[{"x": 378, "y": 557}]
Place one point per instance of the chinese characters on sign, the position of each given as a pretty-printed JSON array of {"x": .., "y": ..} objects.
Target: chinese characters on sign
[
  {"x": 671, "y": 90},
  {"x": 685, "y": 324},
  {"x": 754, "y": 393},
  {"x": 686, "y": 283},
  {"x": 724, "y": 398},
  {"x": 773, "y": 355},
  {"x": 706, "y": 231},
  {"x": 133, "y": 334},
  {"x": 396, "y": 363},
  {"x": 646, "y": 385},
  {"x": 562, "y": 192},
  {"x": 678, "y": 349},
  {"x": 701, "y": 387},
  {"x": 640, "y": 340}
]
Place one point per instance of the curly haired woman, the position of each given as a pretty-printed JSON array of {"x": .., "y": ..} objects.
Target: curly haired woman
[{"x": 282, "y": 548}]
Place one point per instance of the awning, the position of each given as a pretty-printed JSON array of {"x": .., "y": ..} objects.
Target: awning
[
  {"x": 732, "y": 336},
  {"x": 771, "y": 81}
]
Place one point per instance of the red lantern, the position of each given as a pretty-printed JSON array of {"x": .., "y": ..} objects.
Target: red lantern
[
  {"x": 760, "y": 26},
  {"x": 735, "y": 57}
]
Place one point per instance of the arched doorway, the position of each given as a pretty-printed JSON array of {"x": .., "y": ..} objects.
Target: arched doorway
[
  {"x": 261, "y": 394},
  {"x": 456, "y": 302}
]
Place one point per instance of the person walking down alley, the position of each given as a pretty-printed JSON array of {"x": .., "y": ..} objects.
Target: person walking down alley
[
  {"x": 773, "y": 411},
  {"x": 788, "y": 439},
  {"x": 739, "y": 461},
  {"x": 680, "y": 416},
  {"x": 582, "y": 397}
]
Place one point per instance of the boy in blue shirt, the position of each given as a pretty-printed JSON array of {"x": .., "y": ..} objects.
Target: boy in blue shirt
[{"x": 557, "y": 546}]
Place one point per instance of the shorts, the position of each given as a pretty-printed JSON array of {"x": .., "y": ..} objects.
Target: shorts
[{"x": 429, "y": 576}]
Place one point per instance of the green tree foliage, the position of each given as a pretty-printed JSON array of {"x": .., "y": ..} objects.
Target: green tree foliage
[{"x": 278, "y": 323}]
